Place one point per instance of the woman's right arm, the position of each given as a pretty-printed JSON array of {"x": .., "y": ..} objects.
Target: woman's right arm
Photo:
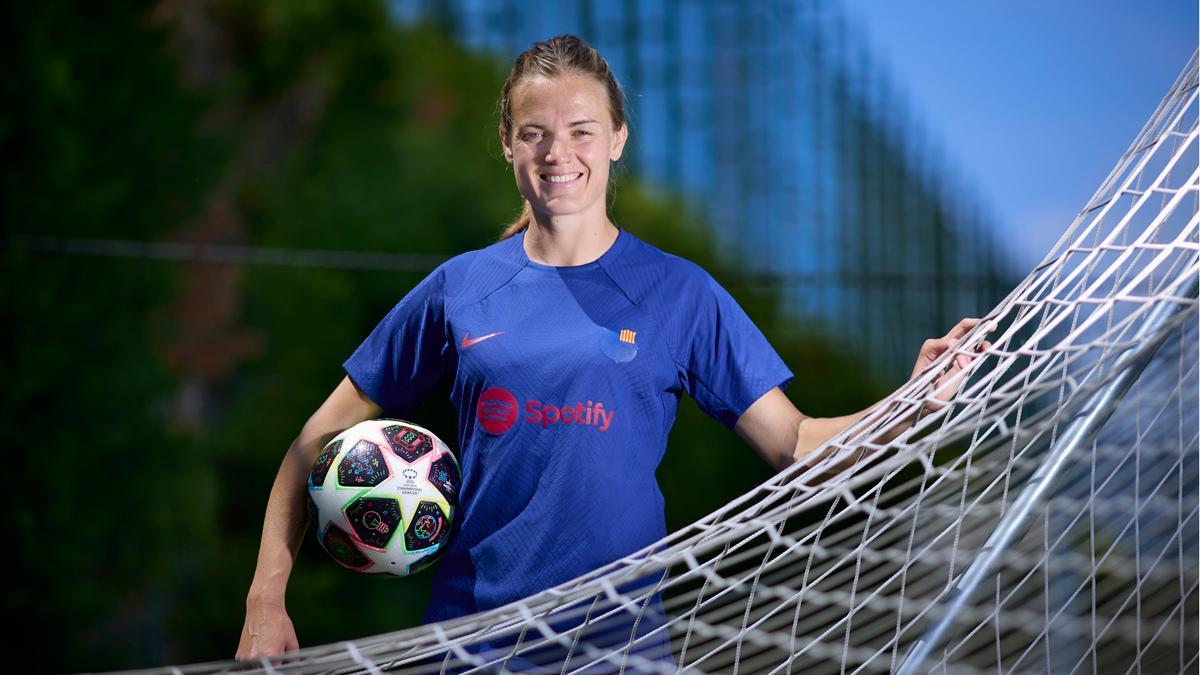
[{"x": 268, "y": 630}]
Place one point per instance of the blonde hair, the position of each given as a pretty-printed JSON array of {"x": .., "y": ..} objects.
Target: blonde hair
[{"x": 558, "y": 55}]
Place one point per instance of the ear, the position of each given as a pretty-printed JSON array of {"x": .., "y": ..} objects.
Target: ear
[
  {"x": 618, "y": 145},
  {"x": 508, "y": 153}
]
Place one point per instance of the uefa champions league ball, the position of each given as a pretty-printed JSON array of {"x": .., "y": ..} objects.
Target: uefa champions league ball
[{"x": 381, "y": 497}]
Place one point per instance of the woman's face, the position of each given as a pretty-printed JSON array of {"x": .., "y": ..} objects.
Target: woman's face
[{"x": 562, "y": 142}]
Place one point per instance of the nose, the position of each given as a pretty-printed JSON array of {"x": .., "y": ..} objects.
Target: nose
[{"x": 558, "y": 152}]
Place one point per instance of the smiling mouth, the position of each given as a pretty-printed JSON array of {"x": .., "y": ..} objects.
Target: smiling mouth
[{"x": 560, "y": 179}]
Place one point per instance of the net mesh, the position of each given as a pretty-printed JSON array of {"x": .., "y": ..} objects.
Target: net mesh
[{"x": 1044, "y": 520}]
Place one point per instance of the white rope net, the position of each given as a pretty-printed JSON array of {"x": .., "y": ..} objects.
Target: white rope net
[{"x": 1045, "y": 520}]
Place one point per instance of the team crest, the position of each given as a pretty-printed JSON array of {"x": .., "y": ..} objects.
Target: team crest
[{"x": 619, "y": 346}]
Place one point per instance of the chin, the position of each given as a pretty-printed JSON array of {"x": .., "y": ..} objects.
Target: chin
[
  {"x": 557, "y": 207},
  {"x": 554, "y": 213}
]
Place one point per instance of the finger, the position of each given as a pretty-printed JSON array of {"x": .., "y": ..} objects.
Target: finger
[
  {"x": 963, "y": 327},
  {"x": 928, "y": 353},
  {"x": 936, "y": 346},
  {"x": 952, "y": 344},
  {"x": 947, "y": 386}
]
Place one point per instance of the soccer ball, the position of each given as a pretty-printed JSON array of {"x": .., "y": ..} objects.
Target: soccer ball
[{"x": 381, "y": 497}]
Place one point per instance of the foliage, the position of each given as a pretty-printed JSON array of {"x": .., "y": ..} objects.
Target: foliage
[{"x": 100, "y": 141}]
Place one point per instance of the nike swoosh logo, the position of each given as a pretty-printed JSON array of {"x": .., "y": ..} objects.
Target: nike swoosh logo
[{"x": 467, "y": 342}]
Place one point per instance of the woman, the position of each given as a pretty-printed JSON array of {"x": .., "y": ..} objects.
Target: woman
[{"x": 568, "y": 343}]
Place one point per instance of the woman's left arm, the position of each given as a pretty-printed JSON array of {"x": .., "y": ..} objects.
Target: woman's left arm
[{"x": 781, "y": 434}]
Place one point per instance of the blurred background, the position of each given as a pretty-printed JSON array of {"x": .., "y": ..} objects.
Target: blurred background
[{"x": 208, "y": 205}]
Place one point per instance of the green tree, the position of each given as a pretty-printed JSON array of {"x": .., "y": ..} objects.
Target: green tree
[{"x": 101, "y": 140}]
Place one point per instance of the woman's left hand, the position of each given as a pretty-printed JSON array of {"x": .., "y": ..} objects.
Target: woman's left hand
[{"x": 947, "y": 384}]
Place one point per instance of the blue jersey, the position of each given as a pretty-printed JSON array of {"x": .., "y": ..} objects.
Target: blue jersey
[{"x": 566, "y": 381}]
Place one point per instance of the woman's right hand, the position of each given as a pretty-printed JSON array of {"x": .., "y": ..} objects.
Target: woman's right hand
[{"x": 268, "y": 631}]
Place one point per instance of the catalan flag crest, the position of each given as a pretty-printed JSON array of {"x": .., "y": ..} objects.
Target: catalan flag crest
[{"x": 618, "y": 345}]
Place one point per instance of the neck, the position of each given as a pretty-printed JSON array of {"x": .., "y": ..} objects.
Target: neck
[{"x": 567, "y": 240}]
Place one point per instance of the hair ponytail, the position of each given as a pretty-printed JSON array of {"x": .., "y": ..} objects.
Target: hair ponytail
[{"x": 521, "y": 223}]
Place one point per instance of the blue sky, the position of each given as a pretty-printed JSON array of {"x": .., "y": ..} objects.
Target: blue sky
[{"x": 1030, "y": 103}]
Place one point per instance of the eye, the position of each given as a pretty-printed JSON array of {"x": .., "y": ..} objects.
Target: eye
[
  {"x": 581, "y": 132},
  {"x": 531, "y": 135}
]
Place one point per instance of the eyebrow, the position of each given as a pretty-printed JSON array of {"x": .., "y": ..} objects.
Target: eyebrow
[{"x": 572, "y": 124}]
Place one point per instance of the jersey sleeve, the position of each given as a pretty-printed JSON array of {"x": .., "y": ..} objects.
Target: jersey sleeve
[
  {"x": 402, "y": 360},
  {"x": 728, "y": 364}
]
